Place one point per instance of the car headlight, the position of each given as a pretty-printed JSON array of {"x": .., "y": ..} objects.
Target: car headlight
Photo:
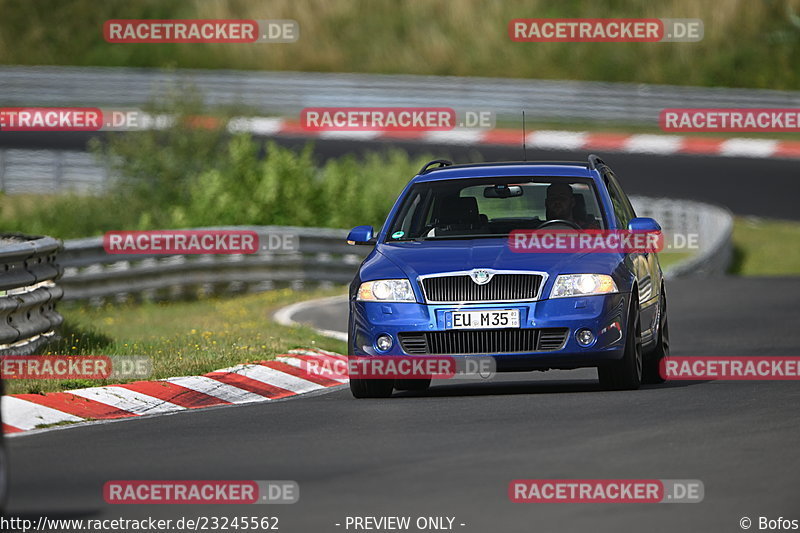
[
  {"x": 582, "y": 285},
  {"x": 386, "y": 290}
]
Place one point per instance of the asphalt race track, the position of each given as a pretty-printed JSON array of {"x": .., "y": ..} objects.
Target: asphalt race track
[{"x": 453, "y": 451}]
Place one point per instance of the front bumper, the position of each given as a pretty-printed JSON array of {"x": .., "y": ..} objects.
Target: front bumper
[{"x": 604, "y": 315}]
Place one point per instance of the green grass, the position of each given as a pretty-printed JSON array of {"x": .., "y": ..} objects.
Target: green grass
[
  {"x": 672, "y": 258},
  {"x": 182, "y": 338},
  {"x": 746, "y": 44},
  {"x": 762, "y": 247},
  {"x": 766, "y": 247}
]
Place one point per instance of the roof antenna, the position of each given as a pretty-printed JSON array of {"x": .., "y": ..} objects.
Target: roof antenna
[{"x": 524, "y": 150}]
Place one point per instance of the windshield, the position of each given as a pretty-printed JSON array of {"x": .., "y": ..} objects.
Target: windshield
[{"x": 493, "y": 207}]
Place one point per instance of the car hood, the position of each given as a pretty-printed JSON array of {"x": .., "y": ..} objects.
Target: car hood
[{"x": 430, "y": 257}]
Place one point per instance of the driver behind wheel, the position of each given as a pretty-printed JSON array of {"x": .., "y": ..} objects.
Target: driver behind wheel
[
  {"x": 560, "y": 205},
  {"x": 559, "y": 202}
]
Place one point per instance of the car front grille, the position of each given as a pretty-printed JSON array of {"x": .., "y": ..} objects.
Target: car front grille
[
  {"x": 500, "y": 288},
  {"x": 491, "y": 341}
]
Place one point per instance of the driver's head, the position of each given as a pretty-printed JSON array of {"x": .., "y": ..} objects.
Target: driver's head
[{"x": 559, "y": 201}]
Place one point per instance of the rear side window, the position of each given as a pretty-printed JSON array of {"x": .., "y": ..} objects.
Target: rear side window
[{"x": 623, "y": 210}]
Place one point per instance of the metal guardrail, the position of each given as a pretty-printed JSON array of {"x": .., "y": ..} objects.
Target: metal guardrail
[
  {"x": 712, "y": 224},
  {"x": 289, "y": 92},
  {"x": 28, "y": 293},
  {"x": 48, "y": 171},
  {"x": 321, "y": 258}
]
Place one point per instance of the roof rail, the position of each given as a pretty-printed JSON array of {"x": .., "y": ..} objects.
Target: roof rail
[
  {"x": 440, "y": 162},
  {"x": 526, "y": 163},
  {"x": 445, "y": 163},
  {"x": 595, "y": 162}
]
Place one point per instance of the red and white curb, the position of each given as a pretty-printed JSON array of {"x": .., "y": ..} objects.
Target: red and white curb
[
  {"x": 269, "y": 380},
  {"x": 544, "y": 139}
]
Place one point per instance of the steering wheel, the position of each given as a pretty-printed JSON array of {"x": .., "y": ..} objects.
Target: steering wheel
[{"x": 559, "y": 221}]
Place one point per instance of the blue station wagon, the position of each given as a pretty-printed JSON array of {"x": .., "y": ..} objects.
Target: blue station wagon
[{"x": 442, "y": 278}]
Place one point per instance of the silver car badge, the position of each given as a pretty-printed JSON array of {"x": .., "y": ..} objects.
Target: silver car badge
[{"x": 480, "y": 276}]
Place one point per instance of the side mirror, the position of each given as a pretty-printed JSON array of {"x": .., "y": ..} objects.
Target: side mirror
[
  {"x": 361, "y": 235},
  {"x": 643, "y": 224}
]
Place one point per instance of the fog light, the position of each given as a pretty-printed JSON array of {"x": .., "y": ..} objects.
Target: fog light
[
  {"x": 383, "y": 342},
  {"x": 584, "y": 337}
]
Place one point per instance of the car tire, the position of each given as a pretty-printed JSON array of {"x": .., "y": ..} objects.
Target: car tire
[
  {"x": 652, "y": 361},
  {"x": 371, "y": 388},
  {"x": 412, "y": 384},
  {"x": 626, "y": 374}
]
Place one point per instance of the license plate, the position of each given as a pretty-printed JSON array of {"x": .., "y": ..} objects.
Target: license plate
[{"x": 501, "y": 318}]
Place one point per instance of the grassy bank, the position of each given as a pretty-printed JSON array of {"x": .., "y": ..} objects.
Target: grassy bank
[
  {"x": 766, "y": 247},
  {"x": 182, "y": 338},
  {"x": 746, "y": 44}
]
